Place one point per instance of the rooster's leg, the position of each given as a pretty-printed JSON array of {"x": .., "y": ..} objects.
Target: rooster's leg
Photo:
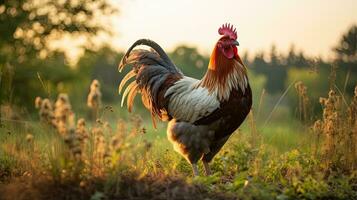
[
  {"x": 195, "y": 169},
  {"x": 207, "y": 168}
]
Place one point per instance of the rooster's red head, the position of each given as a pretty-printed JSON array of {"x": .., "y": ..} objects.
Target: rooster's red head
[
  {"x": 225, "y": 69},
  {"x": 228, "y": 43}
]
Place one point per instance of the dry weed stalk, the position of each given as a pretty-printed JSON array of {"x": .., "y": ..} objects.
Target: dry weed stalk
[
  {"x": 255, "y": 137},
  {"x": 352, "y": 128},
  {"x": 304, "y": 105},
  {"x": 121, "y": 127},
  {"x": 45, "y": 111},
  {"x": 339, "y": 130},
  {"x": 64, "y": 115},
  {"x": 137, "y": 127},
  {"x": 330, "y": 123},
  {"x": 81, "y": 130},
  {"x": 73, "y": 142},
  {"x": 91, "y": 148},
  {"x": 352, "y": 110},
  {"x": 94, "y": 100},
  {"x": 82, "y": 135},
  {"x": 118, "y": 139},
  {"x": 98, "y": 149}
]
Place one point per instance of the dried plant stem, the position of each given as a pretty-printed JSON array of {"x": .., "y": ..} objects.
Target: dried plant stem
[{"x": 260, "y": 103}]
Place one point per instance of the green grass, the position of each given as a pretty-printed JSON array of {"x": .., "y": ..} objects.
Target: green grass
[{"x": 275, "y": 162}]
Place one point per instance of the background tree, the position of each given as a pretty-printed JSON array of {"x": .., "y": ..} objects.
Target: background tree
[
  {"x": 190, "y": 61},
  {"x": 347, "y": 47},
  {"x": 346, "y": 57},
  {"x": 274, "y": 70},
  {"x": 29, "y": 28}
]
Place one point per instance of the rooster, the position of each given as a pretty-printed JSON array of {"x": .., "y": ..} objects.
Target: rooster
[{"x": 202, "y": 114}]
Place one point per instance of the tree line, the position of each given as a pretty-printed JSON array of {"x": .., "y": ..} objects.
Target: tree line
[{"x": 30, "y": 68}]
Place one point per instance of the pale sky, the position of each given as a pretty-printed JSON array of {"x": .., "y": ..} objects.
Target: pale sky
[{"x": 314, "y": 26}]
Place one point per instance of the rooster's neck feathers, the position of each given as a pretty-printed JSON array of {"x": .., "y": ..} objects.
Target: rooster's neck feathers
[{"x": 224, "y": 74}]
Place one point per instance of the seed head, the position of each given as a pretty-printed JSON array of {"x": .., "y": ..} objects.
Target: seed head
[
  {"x": 29, "y": 138},
  {"x": 94, "y": 99},
  {"x": 45, "y": 111},
  {"x": 38, "y": 102},
  {"x": 63, "y": 113}
]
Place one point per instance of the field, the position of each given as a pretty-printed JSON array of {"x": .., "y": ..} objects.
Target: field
[
  {"x": 65, "y": 135},
  {"x": 61, "y": 156}
]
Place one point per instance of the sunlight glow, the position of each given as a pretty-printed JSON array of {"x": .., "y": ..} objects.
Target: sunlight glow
[{"x": 313, "y": 26}]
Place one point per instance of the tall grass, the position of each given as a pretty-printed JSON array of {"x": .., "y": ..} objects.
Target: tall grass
[{"x": 308, "y": 159}]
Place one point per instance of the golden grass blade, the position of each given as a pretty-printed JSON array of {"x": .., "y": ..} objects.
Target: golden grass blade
[{"x": 278, "y": 102}]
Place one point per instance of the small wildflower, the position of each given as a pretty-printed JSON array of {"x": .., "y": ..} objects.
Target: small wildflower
[
  {"x": 38, "y": 102},
  {"x": 29, "y": 138},
  {"x": 82, "y": 184},
  {"x": 26, "y": 173},
  {"x": 99, "y": 121},
  {"x": 110, "y": 108},
  {"x": 246, "y": 182}
]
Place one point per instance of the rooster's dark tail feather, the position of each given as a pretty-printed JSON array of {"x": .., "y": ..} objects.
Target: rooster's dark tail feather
[{"x": 154, "y": 73}]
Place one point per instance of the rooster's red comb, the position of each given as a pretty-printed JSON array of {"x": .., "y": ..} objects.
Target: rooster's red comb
[{"x": 227, "y": 30}]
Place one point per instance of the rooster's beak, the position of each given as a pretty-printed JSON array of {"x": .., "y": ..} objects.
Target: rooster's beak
[{"x": 236, "y": 43}]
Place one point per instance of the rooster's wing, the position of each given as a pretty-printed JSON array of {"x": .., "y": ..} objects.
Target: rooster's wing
[{"x": 190, "y": 102}]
